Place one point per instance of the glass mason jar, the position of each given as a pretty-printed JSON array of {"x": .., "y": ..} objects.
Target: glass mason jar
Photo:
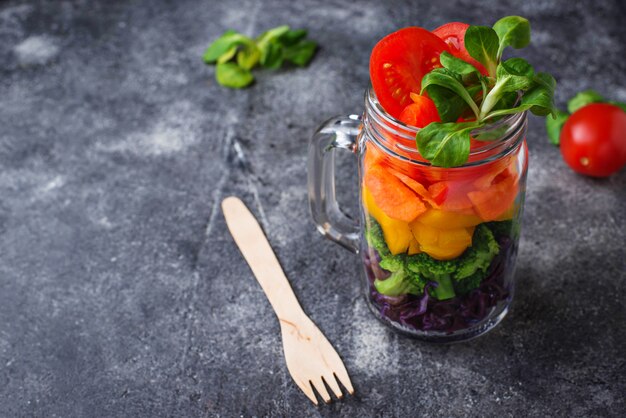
[{"x": 438, "y": 245}]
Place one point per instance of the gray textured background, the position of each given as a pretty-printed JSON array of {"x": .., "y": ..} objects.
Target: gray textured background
[{"x": 122, "y": 294}]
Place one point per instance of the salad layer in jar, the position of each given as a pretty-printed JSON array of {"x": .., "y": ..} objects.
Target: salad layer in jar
[{"x": 438, "y": 250}]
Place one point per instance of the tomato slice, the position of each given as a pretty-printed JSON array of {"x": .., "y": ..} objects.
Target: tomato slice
[
  {"x": 398, "y": 63},
  {"x": 453, "y": 34},
  {"x": 420, "y": 113}
]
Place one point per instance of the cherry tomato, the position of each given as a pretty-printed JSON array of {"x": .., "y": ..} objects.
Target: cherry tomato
[
  {"x": 453, "y": 34},
  {"x": 398, "y": 63},
  {"x": 593, "y": 140},
  {"x": 420, "y": 113}
]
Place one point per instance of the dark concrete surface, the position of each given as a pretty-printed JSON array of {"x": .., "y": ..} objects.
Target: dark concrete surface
[{"x": 122, "y": 293}]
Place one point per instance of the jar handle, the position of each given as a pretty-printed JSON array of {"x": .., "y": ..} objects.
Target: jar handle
[{"x": 337, "y": 133}]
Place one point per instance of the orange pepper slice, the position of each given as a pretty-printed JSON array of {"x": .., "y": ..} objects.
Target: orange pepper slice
[{"x": 392, "y": 196}]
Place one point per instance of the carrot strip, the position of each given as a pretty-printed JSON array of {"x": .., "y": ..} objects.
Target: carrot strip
[
  {"x": 414, "y": 185},
  {"x": 391, "y": 195},
  {"x": 493, "y": 202}
]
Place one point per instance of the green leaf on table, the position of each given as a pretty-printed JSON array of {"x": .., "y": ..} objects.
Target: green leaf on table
[
  {"x": 445, "y": 144},
  {"x": 583, "y": 99},
  {"x": 451, "y": 81},
  {"x": 270, "y": 50},
  {"x": 272, "y": 55},
  {"x": 512, "y": 31},
  {"x": 248, "y": 56},
  {"x": 229, "y": 74},
  {"x": 482, "y": 44},
  {"x": 292, "y": 37},
  {"x": 301, "y": 53},
  {"x": 554, "y": 125},
  {"x": 456, "y": 65},
  {"x": 224, "y": 45},
  {"x": 283, "y": 44},
  {"x": 228, "y": 55},
  {"x": 272, "y": 35}
]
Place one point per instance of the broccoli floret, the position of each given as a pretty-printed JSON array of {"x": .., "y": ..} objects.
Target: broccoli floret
[
  {"x": 375, "y": 238},
  {"x": 510, "y": 228},
  {"x": 473, "y": 265},
  {"x": 427, "y": 266},
  {"x": 401, "y": 280},
  {"x": 433, "y": 270},
  {"x": 469, "y": 283},
  {"x": 392, "y": 263},
  {"x": 399, "y": 283},
  {"x": 477, "y": 257}
]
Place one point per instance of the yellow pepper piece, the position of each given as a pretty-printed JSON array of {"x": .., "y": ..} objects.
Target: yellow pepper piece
[
  {"x": 424, "y": 234},
  {"x": 442, "y": 244},
  {"x": 447, "y": 220},
  {"x": 397, "y": 233},
  {"x": 443, "y": 253},
  {"x": 460, "y": 237},
  {"x": 414, "y": 247}
]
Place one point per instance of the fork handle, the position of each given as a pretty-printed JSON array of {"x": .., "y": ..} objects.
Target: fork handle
[{"x": 257, "y": 251}]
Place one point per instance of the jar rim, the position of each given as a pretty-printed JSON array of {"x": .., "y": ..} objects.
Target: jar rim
[{"x": 514, "y": 125}]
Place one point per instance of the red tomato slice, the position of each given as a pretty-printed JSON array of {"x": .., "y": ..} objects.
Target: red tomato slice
[
  {"x": 420, "y": 113},
  {"x": 398, "y": 63},
  {"x": 453, "y": 34}
]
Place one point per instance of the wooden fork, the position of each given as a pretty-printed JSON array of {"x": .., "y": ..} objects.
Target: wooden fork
[{"x": 311, "y": 359}]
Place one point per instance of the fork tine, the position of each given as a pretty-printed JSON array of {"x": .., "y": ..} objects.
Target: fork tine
[
  {"x": 318, "y": 384},
  {"x": 336, "y": 366},
  {"x": 306, "y": 388},
  {"x": 334, "y": 386},
  {"x": 342, "y": 375}
]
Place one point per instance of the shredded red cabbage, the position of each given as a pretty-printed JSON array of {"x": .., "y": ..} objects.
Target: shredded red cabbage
[{"x": 427, "y": 313}]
